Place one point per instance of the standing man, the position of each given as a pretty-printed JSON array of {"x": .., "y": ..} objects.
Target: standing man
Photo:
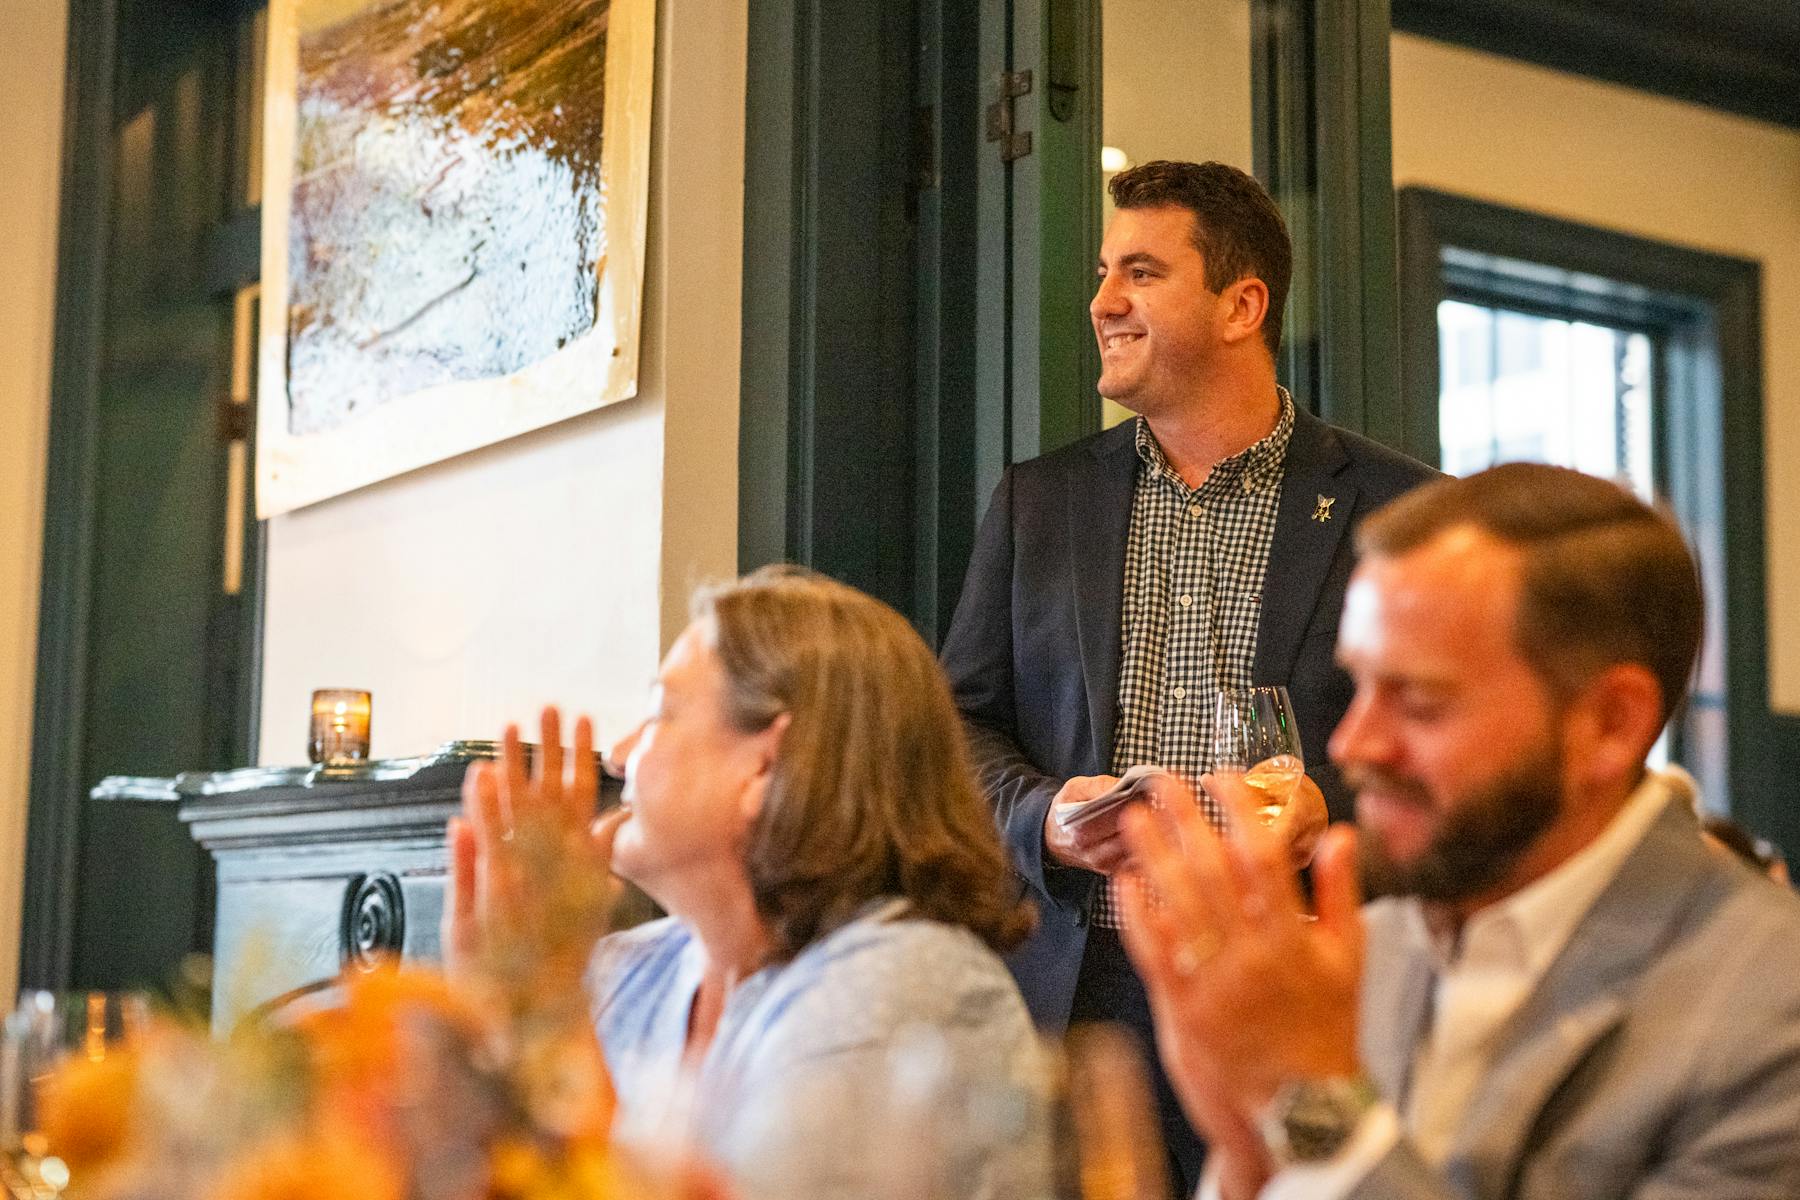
[
  {"x": 1562, "y": 991},
  {"x": 1118, "y": 584}
]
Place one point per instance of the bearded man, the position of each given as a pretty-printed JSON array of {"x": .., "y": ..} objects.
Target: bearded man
[{"x": 1560, "y": 990}]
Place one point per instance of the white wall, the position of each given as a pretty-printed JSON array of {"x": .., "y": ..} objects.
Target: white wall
[
  {"x": 554, "y": 566},
  {"x": 1175, "y": 83},
  {"x": 1606, "y": 155},
  {"x": 32, "y": 37},
  {"x": 1176, "y": 80}
]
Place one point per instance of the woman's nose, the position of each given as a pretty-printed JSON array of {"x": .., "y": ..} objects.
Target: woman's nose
[{"x": 621, "y": 751}]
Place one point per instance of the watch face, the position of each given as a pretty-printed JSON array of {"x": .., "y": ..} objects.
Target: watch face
[
  {"x": 1312, "y": 1119},
  {"x": 1317, "y": 1126}
]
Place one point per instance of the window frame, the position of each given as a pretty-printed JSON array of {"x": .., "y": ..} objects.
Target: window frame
[{"x": 1704, "y": 314}]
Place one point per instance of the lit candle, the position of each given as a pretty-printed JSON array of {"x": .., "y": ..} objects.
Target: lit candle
[{"x": 340, "y": 726}]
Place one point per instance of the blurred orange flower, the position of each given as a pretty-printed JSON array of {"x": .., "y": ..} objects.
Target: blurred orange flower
[
  {"x": 85, "y": 1109},
  {"x": 330, "y": 1163}
]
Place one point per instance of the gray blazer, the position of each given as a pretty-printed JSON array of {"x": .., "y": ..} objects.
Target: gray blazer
[{"x": 1658, "y": 1058}]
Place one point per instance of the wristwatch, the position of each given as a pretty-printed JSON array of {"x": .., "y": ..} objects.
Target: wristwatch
[{"x": 1309, "y": 1120}]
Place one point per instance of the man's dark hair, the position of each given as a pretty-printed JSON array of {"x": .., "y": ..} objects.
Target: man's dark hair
[
  {"x": 871, "y": 795},
  {"x": 1607, "y": 579},
  {"x": 1237, "y": 228}
]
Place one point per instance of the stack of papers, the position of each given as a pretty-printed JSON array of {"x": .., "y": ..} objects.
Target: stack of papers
[{"x": 1133, "y": 785}]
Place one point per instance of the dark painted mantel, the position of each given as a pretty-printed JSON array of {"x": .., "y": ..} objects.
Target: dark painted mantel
[{"x": 322, "y": 869}]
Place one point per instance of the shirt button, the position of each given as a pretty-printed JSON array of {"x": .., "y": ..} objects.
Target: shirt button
[
  {"x": 1187, "y": 601},
  {"x": 1193, "y": 510},
  {"x": 1180, "y": 693},
  {"x": 1248, "y": 486}
]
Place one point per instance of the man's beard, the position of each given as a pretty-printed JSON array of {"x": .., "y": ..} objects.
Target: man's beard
[{"x": 1481, "y": 839}]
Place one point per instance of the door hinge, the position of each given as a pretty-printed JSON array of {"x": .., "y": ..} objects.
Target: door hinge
[
  {"x": 233, "y": 420},
  {"x": 1001, "y": 120}
]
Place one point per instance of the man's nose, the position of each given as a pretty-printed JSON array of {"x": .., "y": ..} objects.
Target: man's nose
[
  {"x": 1109, "y": 300},
  {"x": 1360, "y": 737}
]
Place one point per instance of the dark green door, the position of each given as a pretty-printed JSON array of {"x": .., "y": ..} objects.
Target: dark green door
[
  {"x": 1038, "y": 228},
  {"x": 150, "y": 603}
]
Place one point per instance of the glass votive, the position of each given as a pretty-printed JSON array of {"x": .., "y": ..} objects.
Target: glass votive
[{"x": 340, "y": 726}]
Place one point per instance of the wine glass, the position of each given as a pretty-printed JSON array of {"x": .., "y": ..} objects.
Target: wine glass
[
  {"x": 43, "y": 1032},
  {"x": 1108, "y": 1140},
  {"x": 1256, "y": 738}
]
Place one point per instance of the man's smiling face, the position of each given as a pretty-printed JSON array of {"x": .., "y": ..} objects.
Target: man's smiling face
[
  {"x": 1454, "y": 742},
  {"x": 1155, "y": 319}
]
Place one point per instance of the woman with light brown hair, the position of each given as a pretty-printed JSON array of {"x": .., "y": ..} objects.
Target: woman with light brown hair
[{"x": 799, "y": 799}]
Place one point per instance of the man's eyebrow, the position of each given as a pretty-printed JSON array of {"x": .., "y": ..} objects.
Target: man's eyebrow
[
  {"x": 1438, "y": 682},
  {"x": 1134, "y": 259}
]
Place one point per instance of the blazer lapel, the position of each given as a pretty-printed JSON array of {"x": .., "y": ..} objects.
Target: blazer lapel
[
  {"x": 1396, "y": 999},
  {"x": 1580, "y": 1000},
  {"x": 1313, "y": 515},
  {"x": 1099, "y": 515}
]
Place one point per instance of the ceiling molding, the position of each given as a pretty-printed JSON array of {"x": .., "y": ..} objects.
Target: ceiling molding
[{"x": 1740, "y": 57}]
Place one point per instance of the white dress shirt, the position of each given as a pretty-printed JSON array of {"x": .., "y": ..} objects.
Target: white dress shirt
[{"x": 1485, "y": 972}]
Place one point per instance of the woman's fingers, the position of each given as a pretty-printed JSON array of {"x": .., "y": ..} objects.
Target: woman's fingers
[
  {"x": 512, "y": 817},
  {"x": 584, "y": 779},
  {"x": 497, "y": 875},
  {"x": 513, "y": 779},
  {"x": 603, "y": 833},
  {"x": 462, "y": 930},
  {"x": 547, "y": 774},
  {"x": 481, "y": 806}
]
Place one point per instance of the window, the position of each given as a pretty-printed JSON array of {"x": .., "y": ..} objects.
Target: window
[
  {"x": 1527, "y": 337},
  {"x": 1516, "y": 387}
]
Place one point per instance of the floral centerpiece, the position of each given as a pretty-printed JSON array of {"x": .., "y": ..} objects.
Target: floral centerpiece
[{"x": 400, "y": 1083}]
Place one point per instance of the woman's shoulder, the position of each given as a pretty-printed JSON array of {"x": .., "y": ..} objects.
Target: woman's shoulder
[
  {"x": 644, "y": 958},
  {"x": 885, "y": 971}
]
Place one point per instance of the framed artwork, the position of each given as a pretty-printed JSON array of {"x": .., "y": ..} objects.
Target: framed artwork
[{"x": 452, "y": 232}]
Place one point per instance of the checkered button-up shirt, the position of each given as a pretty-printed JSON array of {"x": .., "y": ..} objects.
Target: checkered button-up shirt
[{"x": 1194, "y": 565}]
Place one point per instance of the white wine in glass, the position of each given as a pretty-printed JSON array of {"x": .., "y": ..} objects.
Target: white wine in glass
[
  {"x": 37, "y": 1037},
  {"x": 1256, "y": 737}
]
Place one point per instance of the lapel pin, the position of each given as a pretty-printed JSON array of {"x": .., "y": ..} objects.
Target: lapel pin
[{"x": 1322, "y": 513}]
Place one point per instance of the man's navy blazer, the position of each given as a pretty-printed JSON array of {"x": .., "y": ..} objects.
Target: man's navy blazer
[{"x": 1033, "y": 651}]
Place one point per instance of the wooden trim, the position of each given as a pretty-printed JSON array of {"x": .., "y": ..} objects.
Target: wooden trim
[
  {"x": 772, "y": 472},
  {"x": 1323, "y": 147},
  {"x": 1693, "y": 62},
  {"x": 52, "y": 840},
  {"x": 947, "y": 492},
  {"x": 1421, "y": 291},
  {"x": 827, "y": 437},
  {"x": 1055, "y": 358}
]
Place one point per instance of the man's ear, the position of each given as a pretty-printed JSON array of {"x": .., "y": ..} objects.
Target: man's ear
[
  {"x": 766, "y": 748},
  {"x": 1246, "y": 304},
  {"x": 1618, "y": 717}
]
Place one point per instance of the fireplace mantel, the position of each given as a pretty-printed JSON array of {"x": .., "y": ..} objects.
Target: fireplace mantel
[{"x": 324, "y": 868}]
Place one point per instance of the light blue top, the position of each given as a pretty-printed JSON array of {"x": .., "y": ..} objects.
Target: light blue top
[{"x": 890, "y": 1047}]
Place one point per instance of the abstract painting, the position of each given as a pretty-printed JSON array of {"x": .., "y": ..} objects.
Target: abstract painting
[{"x": 453, "y": 229}]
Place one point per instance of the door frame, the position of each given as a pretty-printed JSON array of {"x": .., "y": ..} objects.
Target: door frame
[
  {"x": 60, "y": 773},
  {"x": 58, "y": 727}
]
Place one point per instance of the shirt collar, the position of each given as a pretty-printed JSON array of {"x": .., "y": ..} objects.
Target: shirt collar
[
  {"x": 1252, "y": 469},
  {"x": 1527, "y": 930}
]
